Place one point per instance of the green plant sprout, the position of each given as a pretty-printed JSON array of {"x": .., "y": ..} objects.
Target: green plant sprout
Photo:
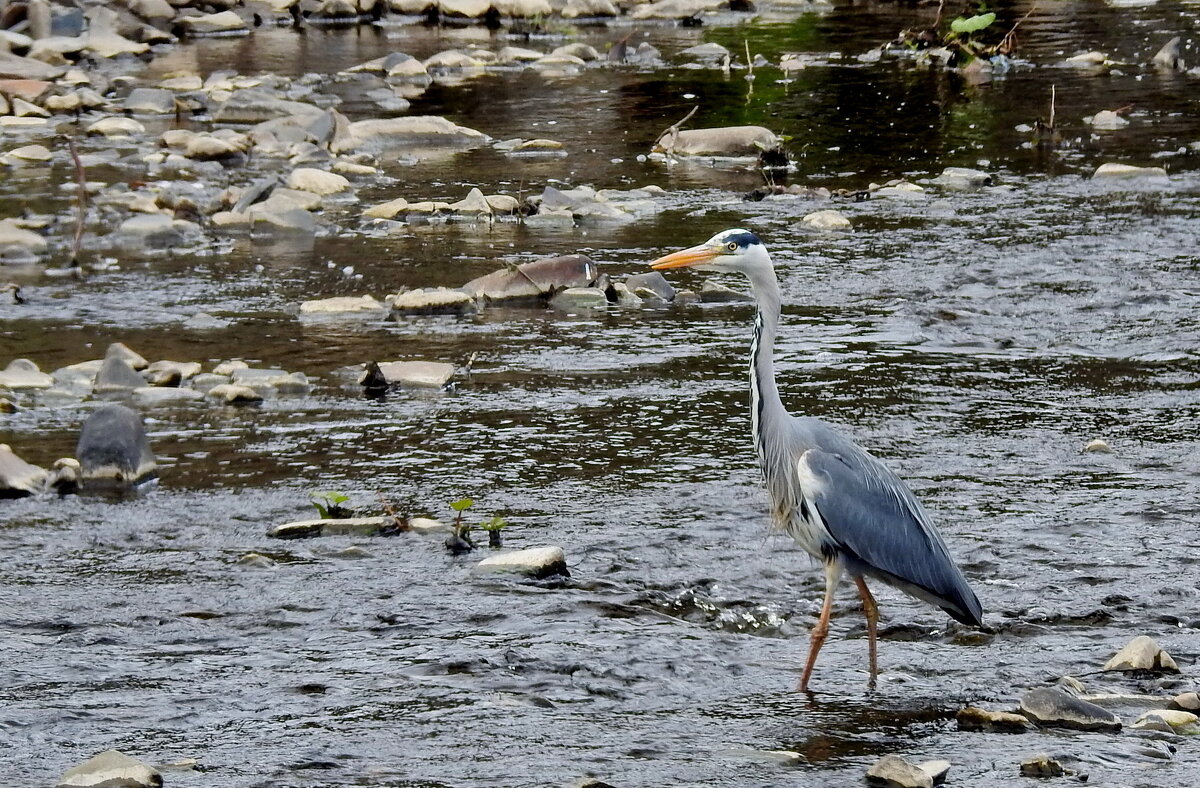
[{"x": 329, "y": 504}]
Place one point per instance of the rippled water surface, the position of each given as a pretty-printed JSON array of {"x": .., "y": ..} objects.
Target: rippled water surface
[{"x": 975, "y": 341}]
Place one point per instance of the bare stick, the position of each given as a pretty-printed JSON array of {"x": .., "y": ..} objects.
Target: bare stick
[
  {"x": 749, "y": 62},
  {"x": 80, "y": 203},
  {"x": 1052, "y": 108},
  {"x": 673, "y": 130}
]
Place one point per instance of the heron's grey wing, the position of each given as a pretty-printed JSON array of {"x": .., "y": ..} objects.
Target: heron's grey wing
[{"x": 880, "y": 525}]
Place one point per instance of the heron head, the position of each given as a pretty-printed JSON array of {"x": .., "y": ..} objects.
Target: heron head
[{"x": 731, "y": 250}]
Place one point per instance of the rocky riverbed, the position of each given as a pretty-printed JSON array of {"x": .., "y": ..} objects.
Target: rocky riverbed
[{"x": 390, "y": 257}]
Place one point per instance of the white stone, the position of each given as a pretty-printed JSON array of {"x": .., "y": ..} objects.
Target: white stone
[
  {"x": 317, "y": 181},
  {"x": 1107, "y": 120},
  {"x": 437, "y": 300},
  {"x": 425, "y": 374},
  {"x": 1142, "y": 653},
  {"x": 232, "y": 394},
  {"x": 826, "y": 220},
  {"x": 342, "y": 304},
  {"x": 1165, "y": 720},
  {"x": 1113, "y": 171},
  {"x": 22, "y": 374},
  {"x": 534, "y": 561},
  {"x": 963, "y": 179},
  {"x": 116, "y": 127},
  {"x": 387, "y": 210},
  {"x": 473, "y": 204},
  {"x": 16, "y": 240},
  {"x": 111, "y": 769},
  {"x": 208, "y": 24},
  {"x": 896, "y": 772}
]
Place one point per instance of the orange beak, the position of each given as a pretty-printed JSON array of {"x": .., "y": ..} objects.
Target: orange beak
[{"x": 685, "y": 258}]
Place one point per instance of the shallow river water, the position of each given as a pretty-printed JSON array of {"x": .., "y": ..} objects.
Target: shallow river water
[{"x": 975, "y": 341}]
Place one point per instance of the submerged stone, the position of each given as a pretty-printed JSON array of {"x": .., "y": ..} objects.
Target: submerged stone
[
  {"x": 1042, "y": 766},
  {"x": 576, "y": 298},
  {"x": 826, "y": 220},
  {"x": 432, "y": 301},
  {"x": 724, "y": 141},
  {"x": 973, "y": 718},
  {"x": 424, "y": 374},
  {"x": 963, "y": 179},
  {"x": 342, "y": 305},
  {"x": 893, "y": 771},
  {"x": 537, "y": 562},
  {"x": 1142, "y": 653},
  {"x": 21, "y": 374},
  {"x": 113, "y": 448},
  {"x": 111, "y": 769},
  {"x": 18, "y": 478},
  {"x": 417, "y": 131},
  {"x": 349, "y": 526},
  {"x": 653, "y": 282},
  {"x": 1052, "y": 707},
  {"x": 535, "y": 280}
]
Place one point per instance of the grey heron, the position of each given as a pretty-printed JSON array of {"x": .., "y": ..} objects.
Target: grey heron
[{"x": 838, "y": 502}]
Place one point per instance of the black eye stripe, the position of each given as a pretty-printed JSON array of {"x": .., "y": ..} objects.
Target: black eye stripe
[{"x": 742, "y": 239}]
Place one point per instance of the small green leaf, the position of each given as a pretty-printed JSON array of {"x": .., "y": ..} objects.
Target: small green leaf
[
  {"x": 463, "y": 505},
  {"x": 972, "y": 24},
  {"x": 494, "y": 524}
]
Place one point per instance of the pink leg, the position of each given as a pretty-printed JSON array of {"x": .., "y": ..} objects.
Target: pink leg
[
  {"x": 833, "y": 573},
  {"x": 872, "y": 612}
]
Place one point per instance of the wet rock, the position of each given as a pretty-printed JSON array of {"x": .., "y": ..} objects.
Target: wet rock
[
  {"x": 117, "y": 127},
  {"x": 227, "y": 368},
  {"x": 1169, "y": 57},
  {"x": 654, "y": 283},
  {"x": 270, "y": 381},
  {"x": 113, "y": 448},
  {"x": 432, "y": 301},
  {"x": 826, "y": 220},
  {"x": 258, "y": 105},
  {"x": 503, "y": 204},
  {"x": 466, "y": 8},
  {"x": 206, "y": 147},
  {"x": 709, "y": 52},
  {"x": 1107, "y": 120},
  {"x": 973, "y": 718},
  {"x": 317, "y": 181},
  {"x": 336, "y": 10},
  {"x": 27, "y": 153},
  {"x": 170, "y": 373},
  {"x": 222, "y": 23},
  {"x": 23, "y": 109},
  {"x": 561, "y": 219},
  {"x": 426, "y": 525},
  {"x": 1187, "y": 701},
  {"x": 64, "y": 477},
  {"x": 256, "y": 561},
  {"x": 1168, "y": 720},
  {"x": 895, "y": 772},
  {"x": 233, "y": 394},
  {"x": 165, "y": 396},
  {"x": 18, "y": 244},
  {"x": 422, "y": 374},
  {"x": 579, "y": 298},
  {"x": 474, "y": 204},
  {"x": 387, "y": 210},
  {"x": 13, "y": 67},
  {"x": 23, "y": 375},
  {"x": 963, "y": 179},
  {"x": 1042, "y": 766},
  {"x": 716, "y": 293},
  {"x": 725, "y": 141},
  {"x": 418, "y": 131},
  {"x": 342, "y": 305},
  {"x": 1098, "y": 446},
  {"x": 574, "y": 9},
  {"x": 1142, "y": 653},
  {"x": 111, "y": 769},
  {"x": 623, "y": 296},
  {"x": 534, "y": 281},
  {"x": 937, "y": 770},
  {"x": 148, "y": 231},
  {"x": 526, "y": 9},
  {"x": 1112, "y": 171},
  {"x": 116, "y": 375},
  {"x": 350, "y": 526},
  {"x": 537, "y": 562},
  {"x": 534, "y": 147},
  {"x": 286, "y": 220},
  {"x": 18, "y": 478},
  {"x": 674, "y": 9},
  {"x": 1052, "y": 707}
]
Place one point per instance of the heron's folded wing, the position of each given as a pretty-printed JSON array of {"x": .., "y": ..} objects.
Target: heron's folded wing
[{"x": 875, "y": 518}]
